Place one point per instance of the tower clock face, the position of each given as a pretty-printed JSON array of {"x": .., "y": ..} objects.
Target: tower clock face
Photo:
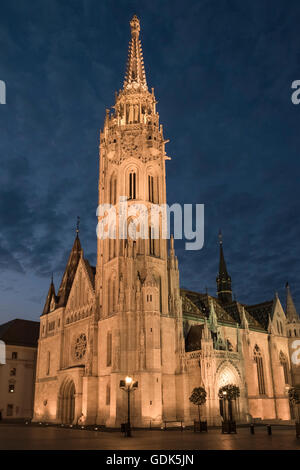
[{"x": 80, "y": 346}]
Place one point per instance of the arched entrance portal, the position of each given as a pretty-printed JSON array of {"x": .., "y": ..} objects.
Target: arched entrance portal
[
  {"x": 66, "y": 402},
  {"x": 229, "y": 409}
]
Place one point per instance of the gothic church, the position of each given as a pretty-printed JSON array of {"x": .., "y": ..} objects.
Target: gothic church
[{"x": 128, "y": 316}]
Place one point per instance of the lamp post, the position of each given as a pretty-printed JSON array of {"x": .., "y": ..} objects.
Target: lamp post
[
  {"x": 224, "y": 397},
  {"x": 128, "y": 385},
  {"x": 128, "y": 382}
]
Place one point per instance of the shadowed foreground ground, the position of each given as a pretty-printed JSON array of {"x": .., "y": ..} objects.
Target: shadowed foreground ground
[{"x": 32, "y": 437}]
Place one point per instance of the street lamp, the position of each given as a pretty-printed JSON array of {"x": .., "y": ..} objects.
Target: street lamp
[
  {"x": 128, "y": 385},
  {"x": 224, "y": 396}
]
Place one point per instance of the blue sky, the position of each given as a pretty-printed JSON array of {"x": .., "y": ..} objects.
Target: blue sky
[{"x": 222, "y": 73}]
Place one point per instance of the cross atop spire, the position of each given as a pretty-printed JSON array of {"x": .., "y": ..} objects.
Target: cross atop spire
[
  {"x": 135, "y": 72},
  {"x": 77, "y": 225},
  {"x": 222, "y": 264}
]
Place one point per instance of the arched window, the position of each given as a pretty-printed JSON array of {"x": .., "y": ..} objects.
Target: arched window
[
  {"x": 132, "y": 185},
  {"x": 153, "y": 189},
  {"x": 108, "y": 394},
  {"x": 113, "y": 190},
  {"x": 108, "y": 349},
  {"x": 151, "y": 243},
  {"x": 112, "y": 296},
  {"x": 260, "y": 370},
  {"x": 284, "y": 364},
  {"x": 48, "y": 363}
]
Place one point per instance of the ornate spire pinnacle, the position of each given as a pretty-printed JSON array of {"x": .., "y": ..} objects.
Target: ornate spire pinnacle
[
  {"x": 223, "y": 279},
  {"x": 213, "y": 320},
  {"x": 291, "y": 312},
  {"x": 50, "y": 296},
  {"x": 135, "y": 72},
  {"x": 244, "y": 321},
  {"x": 222, "y": 265}
]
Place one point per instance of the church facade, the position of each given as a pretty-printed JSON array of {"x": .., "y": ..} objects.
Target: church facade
[{"x": 128, "y": 316}]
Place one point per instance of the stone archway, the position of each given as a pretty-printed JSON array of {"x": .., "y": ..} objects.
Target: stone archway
[
  {"x": 228, "y": 374},
  {"x": 66, "y": 402}
]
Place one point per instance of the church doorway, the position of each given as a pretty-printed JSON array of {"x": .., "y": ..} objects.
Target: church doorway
[
  {"x": 66, "y": 402},
  {"x": 228, "y": 409}
]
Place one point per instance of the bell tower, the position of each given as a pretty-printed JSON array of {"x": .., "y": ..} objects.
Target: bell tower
[{"x": 137, "y": 282}]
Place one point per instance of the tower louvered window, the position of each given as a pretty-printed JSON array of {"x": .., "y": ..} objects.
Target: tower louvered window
[
  {"x": 151, "y": 243},
  {"x": 153, "y": 189},
  {"x": 108, "y": 349},
  {"x": 132, "y": 185},
  {"x": 113, "y": 190}
]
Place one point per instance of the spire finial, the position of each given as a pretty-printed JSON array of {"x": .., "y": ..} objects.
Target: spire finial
[
  {"x": 135, "y": 72},
  {"x": 77, "y": 225},
  {"x": 52, "y": 278},
  {"x": 135, "y": 26},
  {"x": 220, "y": 237}
]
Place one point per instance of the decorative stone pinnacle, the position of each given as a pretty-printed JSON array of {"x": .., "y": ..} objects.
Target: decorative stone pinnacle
[{"x": 135, "y": 26}]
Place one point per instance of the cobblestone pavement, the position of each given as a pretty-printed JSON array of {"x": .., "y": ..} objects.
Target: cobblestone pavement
[{"x": 34, "y": 437}]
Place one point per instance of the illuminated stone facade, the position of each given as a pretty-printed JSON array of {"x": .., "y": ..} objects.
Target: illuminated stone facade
[{"x": 128, "y": 316}]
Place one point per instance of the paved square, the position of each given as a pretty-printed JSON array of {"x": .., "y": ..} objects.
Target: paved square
[{"x": 34, "y": 438}]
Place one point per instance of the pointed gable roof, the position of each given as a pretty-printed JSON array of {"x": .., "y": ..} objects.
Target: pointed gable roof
[
  {"x": 291, "y": 312},
  {"x": 51, "y": 294},
  {"x": 202, "y": 306},
  {"x": 69, "y": 274},
  {"x": 261, "y": 312}
]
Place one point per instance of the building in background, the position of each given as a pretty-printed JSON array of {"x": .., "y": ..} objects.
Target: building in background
[
  {"x": 128, "y": 316},
  {"x": 17, "y": 375}
]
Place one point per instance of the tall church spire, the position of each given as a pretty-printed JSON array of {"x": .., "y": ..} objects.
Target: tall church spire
[
  {"x": 291, "y": 312},
  {"x": 135, "y": 72},
  {"x": 223, "y": 279}
]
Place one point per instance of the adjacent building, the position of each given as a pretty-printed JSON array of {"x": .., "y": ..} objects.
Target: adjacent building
[{"x": 17, "y": 373}]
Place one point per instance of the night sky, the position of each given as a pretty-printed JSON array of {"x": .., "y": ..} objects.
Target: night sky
[{"x": 222, "y": 72}]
